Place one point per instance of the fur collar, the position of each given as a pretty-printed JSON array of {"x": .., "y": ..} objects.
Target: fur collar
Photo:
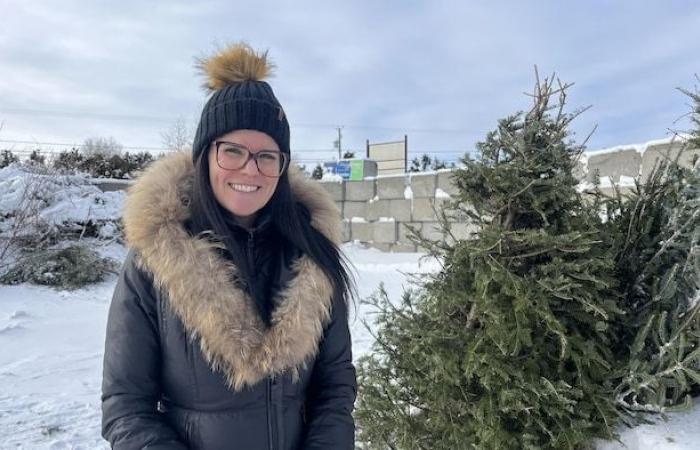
[{"x": 198, "y": 281}]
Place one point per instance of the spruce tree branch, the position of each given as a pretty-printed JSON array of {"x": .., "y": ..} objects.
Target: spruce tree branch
[
  {"x": 471, "y": 316},
  {"x": 665, "y": 245}
]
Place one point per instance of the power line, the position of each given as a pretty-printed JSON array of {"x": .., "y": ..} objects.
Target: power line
[
  {"x": 83, "y": 115},
  {"x": 296, "y": 150},
  {"x": 132, "y": 117},
  {"x": 64, "y": 144}
]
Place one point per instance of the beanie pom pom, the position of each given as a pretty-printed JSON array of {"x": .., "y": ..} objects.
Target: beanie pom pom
[{"x": 233, "y": 65}]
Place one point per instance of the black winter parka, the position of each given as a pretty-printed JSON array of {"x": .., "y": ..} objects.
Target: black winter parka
[{"x": 189, "y": 363}]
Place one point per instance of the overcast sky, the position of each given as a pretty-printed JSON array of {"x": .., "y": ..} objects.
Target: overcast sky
[{"x": 442, "y": 73}]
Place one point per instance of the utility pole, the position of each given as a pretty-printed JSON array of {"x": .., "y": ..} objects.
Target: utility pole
[{"x": 340, "y": 142}]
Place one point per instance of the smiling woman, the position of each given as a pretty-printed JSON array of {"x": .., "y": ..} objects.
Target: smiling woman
[{"x": 228, "y": 326}]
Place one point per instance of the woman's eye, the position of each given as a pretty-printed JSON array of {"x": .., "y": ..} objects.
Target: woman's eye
[
  {"x": 234, "y": 151},
  {"x": 265, "y": 156}
]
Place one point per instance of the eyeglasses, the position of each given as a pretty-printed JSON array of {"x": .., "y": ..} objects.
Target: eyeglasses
[{"x": 231, "y": 156}]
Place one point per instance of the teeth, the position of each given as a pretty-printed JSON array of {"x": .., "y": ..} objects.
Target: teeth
[{"x": 244, "y": 187}]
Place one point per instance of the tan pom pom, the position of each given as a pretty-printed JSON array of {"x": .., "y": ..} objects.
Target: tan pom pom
[{"x": 233, "y": 65}]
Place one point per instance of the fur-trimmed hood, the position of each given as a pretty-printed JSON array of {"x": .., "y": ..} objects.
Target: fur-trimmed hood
[{"x": 198, "y": 281}]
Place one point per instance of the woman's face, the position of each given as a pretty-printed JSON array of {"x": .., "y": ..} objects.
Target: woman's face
[{"x": 245, "y": 191}]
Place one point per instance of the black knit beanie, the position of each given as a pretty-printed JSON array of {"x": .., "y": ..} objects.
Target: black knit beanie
[{"x": 240, "y": 98}]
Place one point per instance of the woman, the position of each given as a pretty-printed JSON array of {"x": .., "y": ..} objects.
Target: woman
[{"x": 228, "y": 326}]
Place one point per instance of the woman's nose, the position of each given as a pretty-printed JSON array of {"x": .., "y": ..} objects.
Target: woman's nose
[{"x": 250, "y": 166}]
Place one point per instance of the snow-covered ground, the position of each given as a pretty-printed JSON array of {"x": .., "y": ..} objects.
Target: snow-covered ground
[{"x": 51, "y": 359}]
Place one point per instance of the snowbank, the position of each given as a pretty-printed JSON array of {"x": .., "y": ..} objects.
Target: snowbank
[{"x": 60, "y": 200}]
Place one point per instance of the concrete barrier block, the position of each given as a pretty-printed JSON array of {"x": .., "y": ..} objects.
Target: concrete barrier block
[
  {"x": 463, "y": 231},
  {"x": 400, "y": 247},
  {"x": 382, "y": 247},
  {"x": 404, "y": 232},
  {"x": 424, "y": 209},
  {"x": 113, "y": 185},
  {"x": 423, "y": 185},
  {"x": 385, "y": 232},
  {"x": 431, "y": 230},
  {"x": 655, "y": 153},
  {"x": 354, "y": 209},
  {"x": 391, "y": 187},
  {"x": 400, "y": 210},
  {"x": 334, "y": 188},
  {"x": 377, "y": 209},
  {"x": 446, "y": 183},
  {"x": 359, "y": 191},
  {"x": 626, "y": 162},
  {"x": 361, "y": 231},
  {"x": 345, "y": 231}
]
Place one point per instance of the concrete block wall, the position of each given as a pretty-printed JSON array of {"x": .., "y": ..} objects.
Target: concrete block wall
[
  {"x": 390, "y": 204},
  {"x": 378, "y": 211}
]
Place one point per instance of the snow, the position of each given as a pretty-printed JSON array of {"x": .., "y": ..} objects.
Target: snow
[
  {"x": 50, "y": 366},
  {"x": 331, "y": 178},
  {"x": 639, "y": 148},
  {"x": 584, "y": 186},
  {"x": 63, "y": 200},
  {"x": 439, "y": 193},
  {"x": 680, "y": 432},
  {"x": 408, "y": 193}
]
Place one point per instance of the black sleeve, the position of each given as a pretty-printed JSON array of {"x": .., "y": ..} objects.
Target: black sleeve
[
  {"x": 333, "y": 388},
  {"x": 130, "y": 382}
]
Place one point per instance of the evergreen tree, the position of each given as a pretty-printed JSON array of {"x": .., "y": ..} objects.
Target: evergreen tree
[
  {"x": 508, "y": 345},
  {"x": 317, "y": 173},
  {"x": 70, "y": 160},
  {"x": 37, "y": 158},
  {"x": 425, "y": 162},
  {"x": 7, "y": 158},
  {"x": 655, "y": 234},
  {"x": 694, "y": 141}
]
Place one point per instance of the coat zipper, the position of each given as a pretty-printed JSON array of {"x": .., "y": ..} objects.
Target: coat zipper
[
  {"x": 251, "y": 244},
  {"x": 268, "y": 401}
]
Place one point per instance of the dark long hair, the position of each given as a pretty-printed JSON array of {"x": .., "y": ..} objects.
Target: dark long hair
[{"x": 291, "y": 220}]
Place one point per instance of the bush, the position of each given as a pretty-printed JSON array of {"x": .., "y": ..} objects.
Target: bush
[
  {"x": 68, "y": 161},
  {"x": 7, "y": 158},
  {"x": 317, "y": 173},
  {"x": 69, "y": 268},
  {"x": 37, "y": 158},
  {"x": 103, "y": 165}
]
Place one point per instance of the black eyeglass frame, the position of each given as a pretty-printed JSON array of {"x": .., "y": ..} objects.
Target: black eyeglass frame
[{"x": 284, "y": 158}]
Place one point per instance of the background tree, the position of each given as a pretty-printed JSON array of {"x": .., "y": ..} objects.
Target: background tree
[
  {"x": 103, "y": 146},
  {"x": 7, "y": 158},
  {"x": 655, "y": 234},
  {"x": 179, "y": 136},
  {"x": 694, "y": 96},
  {"x": 317, "y": 173},
  {"x": 37, "y": 158},
  {"x": 426, "y": 162},
  {"x": 68, "y": 160}
]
